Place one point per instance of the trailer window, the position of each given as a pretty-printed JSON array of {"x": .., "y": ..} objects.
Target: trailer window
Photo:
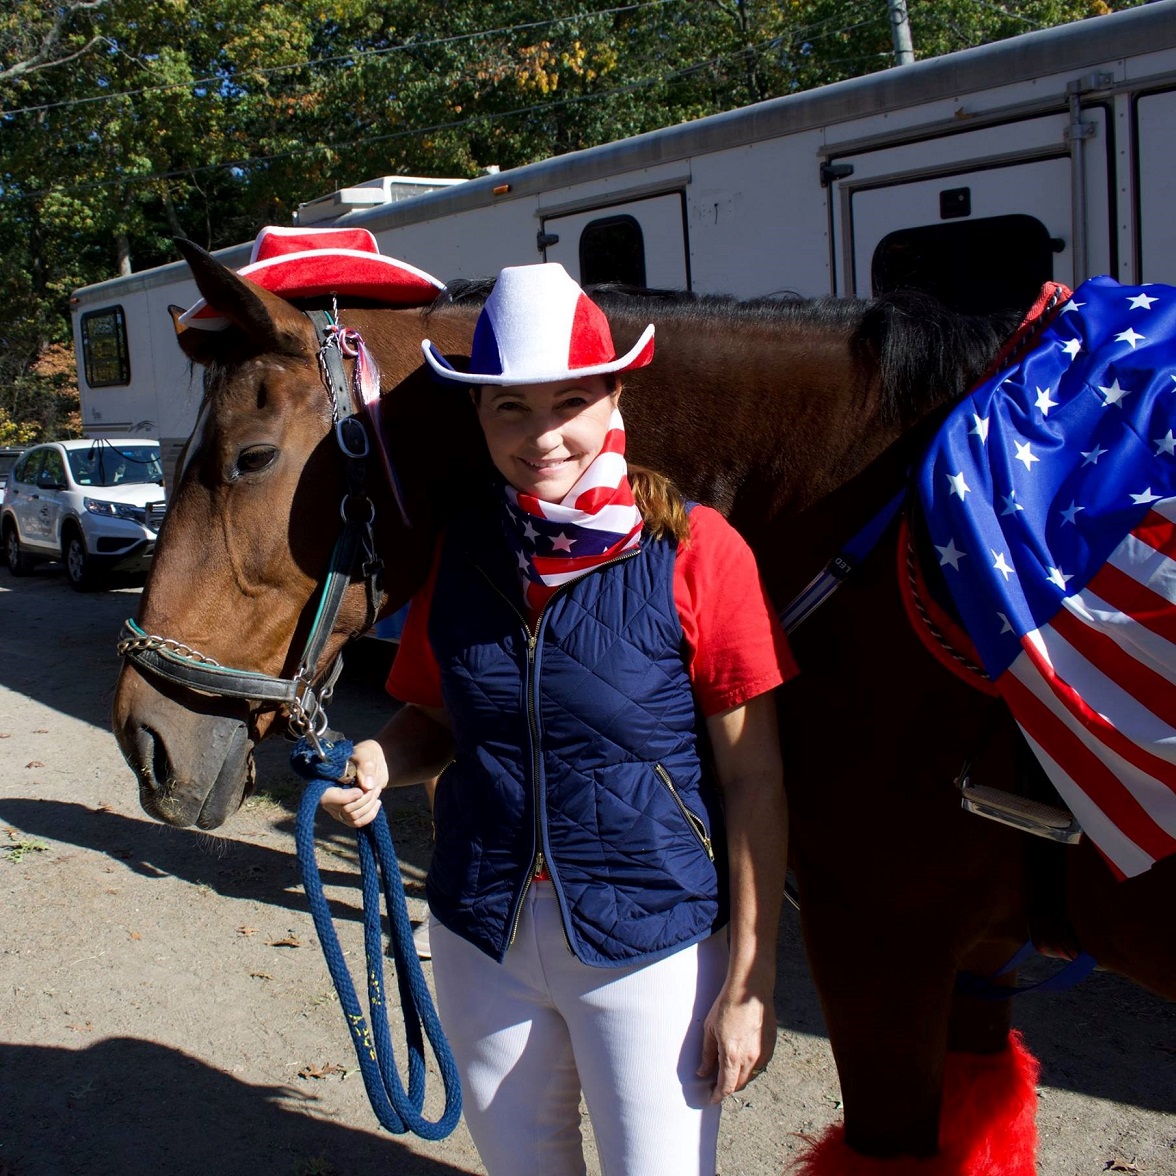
[
  {"x": 972, "y": 266},
  {"x": 612, "y": 249},
  {"x": 104, "y": 347}
]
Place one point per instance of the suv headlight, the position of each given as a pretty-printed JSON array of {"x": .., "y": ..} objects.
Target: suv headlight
[{"x": 115, "y": 510}]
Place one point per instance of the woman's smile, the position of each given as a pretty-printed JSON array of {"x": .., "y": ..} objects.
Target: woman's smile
[{"x": 542, "y": 437}]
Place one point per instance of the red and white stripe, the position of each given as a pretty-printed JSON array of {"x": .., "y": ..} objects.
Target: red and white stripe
[
  {"x": 1095, "y": 693},
  {"x": 600, "y": 501}
]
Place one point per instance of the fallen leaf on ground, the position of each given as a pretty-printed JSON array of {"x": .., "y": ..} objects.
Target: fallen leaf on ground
[
  {"x": 34, "y": 764},
  {"x": 88, "y": 1027},
  {"x": 246, "y": 930},
  {"x": 321, "y": 1071},
  {"x": 136, "y": 935},
  {"x": 1119, "y": 1165},
  {"x": 289, "y": 941},
  {"x": 104, "y": 808},
  {"x": 5, "y": 734},
  {"x": 260, "y": 976},
  {"x": 40, "y": 730}
]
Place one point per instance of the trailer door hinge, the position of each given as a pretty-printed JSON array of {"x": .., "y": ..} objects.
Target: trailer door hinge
[
  {"x": 1080, "y": 130},
  {"x": 834, "y": 171}
]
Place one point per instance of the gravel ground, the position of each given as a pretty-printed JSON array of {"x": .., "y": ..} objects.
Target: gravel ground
[{"x": 166, "y": 1010}]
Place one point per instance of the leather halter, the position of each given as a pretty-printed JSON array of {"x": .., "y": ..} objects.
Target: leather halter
[{"x": 177, "y": 663}]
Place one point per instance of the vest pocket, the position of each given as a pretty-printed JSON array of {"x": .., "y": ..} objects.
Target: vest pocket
[{"x": 692, "y": 819}]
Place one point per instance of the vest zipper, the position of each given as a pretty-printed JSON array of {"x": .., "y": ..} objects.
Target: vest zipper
[
  {"x": 537, "y": 863},
  {"x": 692, "y": 819}
]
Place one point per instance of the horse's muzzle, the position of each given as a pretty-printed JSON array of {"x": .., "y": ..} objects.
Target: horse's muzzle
[{"x": 192, "y": 768}]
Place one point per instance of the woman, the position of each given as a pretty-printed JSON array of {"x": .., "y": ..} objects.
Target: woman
[{"x": 608, "y": 865}]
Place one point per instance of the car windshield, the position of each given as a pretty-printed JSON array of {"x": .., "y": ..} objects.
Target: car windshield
[{"x": 104, "y": 464}]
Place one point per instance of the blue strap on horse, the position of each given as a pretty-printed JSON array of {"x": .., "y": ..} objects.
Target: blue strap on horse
[
  {"x": 984, "y": 987},
  {"x": 397, "y": 1110},
  {"x": 839, "y": 568}
]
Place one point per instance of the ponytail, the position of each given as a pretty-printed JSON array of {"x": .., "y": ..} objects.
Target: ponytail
[{"x": 663, "y": 510}]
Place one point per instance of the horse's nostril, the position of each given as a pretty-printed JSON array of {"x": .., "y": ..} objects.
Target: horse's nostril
[{"x": 151, "y": 757}]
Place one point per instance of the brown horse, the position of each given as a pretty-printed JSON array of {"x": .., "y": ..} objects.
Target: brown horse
[{"x": 797, "y": 420}]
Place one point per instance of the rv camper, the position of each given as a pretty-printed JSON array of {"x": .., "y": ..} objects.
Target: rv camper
[{"x": 975, "y": 176}]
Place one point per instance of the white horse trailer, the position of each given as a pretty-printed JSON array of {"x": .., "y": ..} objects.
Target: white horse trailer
[{"x": 976, "y": 176}]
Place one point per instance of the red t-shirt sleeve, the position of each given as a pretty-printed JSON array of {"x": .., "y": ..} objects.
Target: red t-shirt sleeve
[
  {"x": 736, "y": 648},
  {"x": 415, "y": 675}
]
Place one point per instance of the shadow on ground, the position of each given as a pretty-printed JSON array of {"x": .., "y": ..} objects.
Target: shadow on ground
[{"x": 138, "y": 1109}]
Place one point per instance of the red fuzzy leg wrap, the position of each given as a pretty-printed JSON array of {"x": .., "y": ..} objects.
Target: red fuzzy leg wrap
[{"x": 987, "y": 1126}]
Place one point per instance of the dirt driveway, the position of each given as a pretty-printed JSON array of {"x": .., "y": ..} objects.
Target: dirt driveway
[{"x": 165, "y": 1007}]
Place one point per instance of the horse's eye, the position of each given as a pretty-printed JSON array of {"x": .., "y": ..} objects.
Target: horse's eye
[{"x": 255, "y": 459}]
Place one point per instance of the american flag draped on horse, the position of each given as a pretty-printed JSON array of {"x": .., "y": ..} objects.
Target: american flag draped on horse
[{"x": 1050, "y": 495}]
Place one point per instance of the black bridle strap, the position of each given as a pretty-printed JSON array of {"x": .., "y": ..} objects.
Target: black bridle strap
[{"x": 179, "y": 664}]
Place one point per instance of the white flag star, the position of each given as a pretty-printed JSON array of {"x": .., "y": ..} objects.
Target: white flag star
[
  {"x": 1165, "y": 445},
  {"x": 1010, "y": 506},
  {"x": 529, "y": 531},
  {"x": 1130, "y": 336},
  {"x": 1144, "y": 498},
  {"x": 1114, "y": 393},
  {"x": 1058, "y": 577},
  {"x": 523, "y": 564},
  {"x": 1025, "y": 454},
  {"x": 1142, "y": 301},
  {"x": 1070, "y": 512},
  {"x": 1071, "y": 305},
  {"x": 980, "y": 428},
  {"x": 562, "y": 543},
  {"x": 1092, "y": 455},
  {"x": 958, "y": 485},
  {"x": 1073, "y": 346},
  {"x": 1043, "y": 401},
  {"x": 1002, "y": 565},
  {"x": 950, "y": 555},
  {"x": 1005, "y": 627}
]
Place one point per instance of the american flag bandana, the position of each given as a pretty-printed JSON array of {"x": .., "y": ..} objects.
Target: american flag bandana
[
  {"x": 1050, "y": 495},
  {"x": 596, "y": 521}
]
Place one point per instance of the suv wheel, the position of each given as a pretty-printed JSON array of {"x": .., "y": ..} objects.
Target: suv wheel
[
  {"x": 79, "y": 566},
  {"x": 19, "y": 564}
]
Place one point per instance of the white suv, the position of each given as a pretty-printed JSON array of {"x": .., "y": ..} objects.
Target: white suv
[{"x": 94, "y": 504}]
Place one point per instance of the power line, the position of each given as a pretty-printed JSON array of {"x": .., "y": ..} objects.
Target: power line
[
  {"x": 221, "y": 79},
  {"x": 241, "y": 164}
]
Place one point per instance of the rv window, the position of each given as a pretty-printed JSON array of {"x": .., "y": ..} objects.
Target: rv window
[
  {"x": 973, "y": 266},
  {"x": 104, "y": 347},
  {"x": 612, "y": 249}
]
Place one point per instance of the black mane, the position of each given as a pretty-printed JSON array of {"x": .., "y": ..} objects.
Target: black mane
[{"x": 925, "y": 353}]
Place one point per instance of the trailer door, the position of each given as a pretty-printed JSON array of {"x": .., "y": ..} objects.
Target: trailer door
[
  {"x": 980, "y": 219},
  {"x": 1156, "y": 135},
  {"x": 640, "y": 242}
]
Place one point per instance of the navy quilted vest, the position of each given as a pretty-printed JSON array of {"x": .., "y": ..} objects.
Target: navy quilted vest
[{"x": 577, "y": 744}]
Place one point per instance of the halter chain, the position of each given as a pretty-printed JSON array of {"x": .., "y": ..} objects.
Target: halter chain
[{"x": 180, "y": 664}]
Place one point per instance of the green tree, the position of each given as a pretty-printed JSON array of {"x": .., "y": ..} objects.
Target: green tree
[{"x": 126, "y": 123}]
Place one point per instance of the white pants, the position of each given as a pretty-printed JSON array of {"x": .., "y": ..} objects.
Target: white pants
[{"x": 530, "y": 1033}]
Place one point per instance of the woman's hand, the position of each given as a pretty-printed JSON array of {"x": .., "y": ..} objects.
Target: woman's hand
[
  {"x": 358, "y": 805},
  {"x": 739, "y": 1035}
]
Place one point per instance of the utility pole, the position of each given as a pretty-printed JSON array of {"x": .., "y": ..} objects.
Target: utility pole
[{"x": 900, "y": 28}]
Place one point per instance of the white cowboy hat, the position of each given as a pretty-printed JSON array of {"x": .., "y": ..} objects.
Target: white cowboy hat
[
  {"x": 538, "y": 326},
  {"x": 306, "y": 263}
]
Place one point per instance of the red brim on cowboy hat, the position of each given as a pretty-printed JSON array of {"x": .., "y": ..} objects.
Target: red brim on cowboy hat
[{"x": 312, "y": 273}]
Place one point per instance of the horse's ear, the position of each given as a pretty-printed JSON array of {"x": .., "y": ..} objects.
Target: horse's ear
[{"x": 269, "y": 321}]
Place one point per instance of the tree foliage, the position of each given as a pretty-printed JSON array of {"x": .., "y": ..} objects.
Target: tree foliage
[{"x": 125, "y": 123}]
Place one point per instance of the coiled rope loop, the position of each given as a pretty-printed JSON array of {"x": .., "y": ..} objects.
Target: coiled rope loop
[{"x": 396, "y": 1110}]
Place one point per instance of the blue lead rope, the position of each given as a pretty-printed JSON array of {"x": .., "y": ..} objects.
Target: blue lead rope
[{"x": 396, "y": 1110}]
